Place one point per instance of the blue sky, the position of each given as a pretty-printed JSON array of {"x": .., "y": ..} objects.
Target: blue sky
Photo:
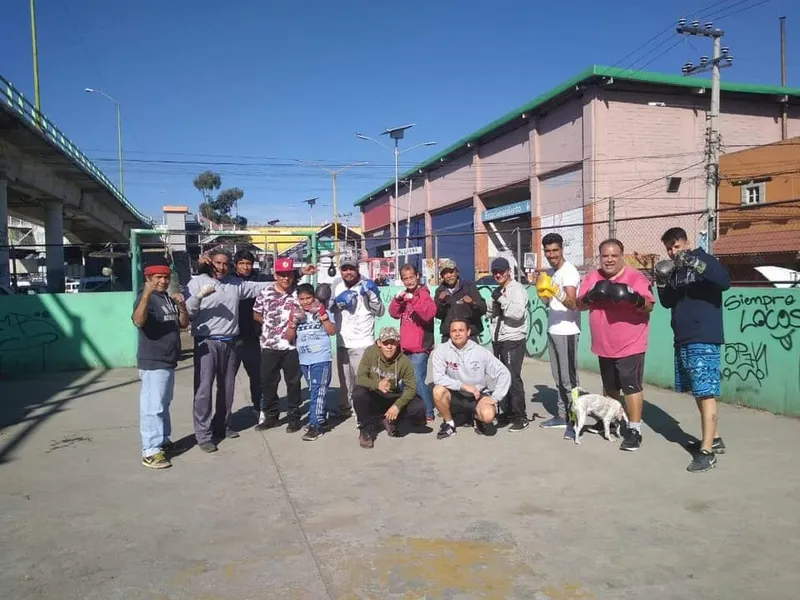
[{"x": 262, "y": 84}]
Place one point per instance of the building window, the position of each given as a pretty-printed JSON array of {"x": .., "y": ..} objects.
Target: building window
[{"x": 753, "y": 194}]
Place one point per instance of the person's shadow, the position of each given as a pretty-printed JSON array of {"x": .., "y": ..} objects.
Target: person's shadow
[
  {"x": 666, "y": 425},
  {"x": 548, "y": 397}
]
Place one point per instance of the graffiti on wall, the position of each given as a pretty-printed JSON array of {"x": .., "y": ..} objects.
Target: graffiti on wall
[
  {"x": 536, "y": 342},
  {"x": 26, "y": 333},
  {"x": 768, "y": 322}
]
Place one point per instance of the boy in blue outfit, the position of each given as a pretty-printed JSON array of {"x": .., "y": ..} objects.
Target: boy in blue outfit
[{"x": 314, "y": 347}]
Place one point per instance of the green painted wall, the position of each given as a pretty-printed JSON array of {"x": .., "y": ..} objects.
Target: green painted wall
[
  {"x": 66, "y": 332},
  {"x": 760, "y": 360}
]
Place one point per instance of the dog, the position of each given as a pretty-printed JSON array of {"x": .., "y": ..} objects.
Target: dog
[{"x": 602, "y": 407}]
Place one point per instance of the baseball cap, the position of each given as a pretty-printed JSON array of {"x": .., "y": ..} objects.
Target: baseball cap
[
  {"x": 500, "y": 264},
  {"x": 388, "y": 333},
  {"x": 446, "y": 264},
  {"x": 282, "y": 265},
  {"x": 348, "y": 262}
]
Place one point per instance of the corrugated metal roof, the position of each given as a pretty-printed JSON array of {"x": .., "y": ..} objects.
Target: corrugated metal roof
[{"x": 583, "y": 77}]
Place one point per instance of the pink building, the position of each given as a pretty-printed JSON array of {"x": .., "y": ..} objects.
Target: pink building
[{"x": 607, "y": 136}]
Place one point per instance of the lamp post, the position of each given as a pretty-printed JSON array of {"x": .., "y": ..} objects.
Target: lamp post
[
  {"x": 397, "y": 134},
  {"x": 35, "y": 46},
  {"x": 334, "y": 173},
  {"x": 119, "y": 135},
  {"x": 311, "y": 202}
]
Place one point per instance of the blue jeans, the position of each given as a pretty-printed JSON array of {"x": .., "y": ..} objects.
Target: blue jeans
[
  {"x": 318, "y": 378},
  {"x": 419, "y": 360},
  {"x": 155, "y": 397}
]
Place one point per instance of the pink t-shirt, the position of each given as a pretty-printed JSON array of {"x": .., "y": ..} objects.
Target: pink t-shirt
[{"x": 618, "y": 329}]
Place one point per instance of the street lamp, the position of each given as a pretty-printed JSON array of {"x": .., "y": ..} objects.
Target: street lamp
[
  {"x": 397, "y": 134},
  {"x": 311, "y": 202},
  {"x": 333, "y": 173},
  {"x": 119, "y": 134}
]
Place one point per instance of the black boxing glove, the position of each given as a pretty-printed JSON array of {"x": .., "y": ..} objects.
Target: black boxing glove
[
  {"x": 600, "y": 292},
  {"x": 323, "y": 293},
  {"x": 621, "y": 292},
  {"x": 662, "y": 272}
]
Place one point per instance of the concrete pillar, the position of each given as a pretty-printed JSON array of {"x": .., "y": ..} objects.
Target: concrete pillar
[
  {"x": 54, "y": 240},
  {"x": 4, "y": 253}
]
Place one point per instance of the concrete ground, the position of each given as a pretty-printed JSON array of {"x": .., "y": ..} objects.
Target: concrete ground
[{"x": 524, "y": 515}]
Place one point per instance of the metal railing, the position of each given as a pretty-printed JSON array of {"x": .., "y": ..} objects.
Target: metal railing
[{"x": 14, "y": 99}]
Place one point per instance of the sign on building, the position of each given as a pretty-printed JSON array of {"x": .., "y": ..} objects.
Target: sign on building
[{"x": 402, "y": 252}]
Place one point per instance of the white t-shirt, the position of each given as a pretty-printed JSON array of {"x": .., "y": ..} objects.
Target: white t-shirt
[
  {"x": 355, "y": 330},
  {"x": 560, "y": 319}
]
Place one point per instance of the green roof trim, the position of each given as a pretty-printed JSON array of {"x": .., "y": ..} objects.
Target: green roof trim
[{"x": 590, "y": 73}]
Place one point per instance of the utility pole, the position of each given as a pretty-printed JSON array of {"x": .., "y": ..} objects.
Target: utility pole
[
  {"x": 785, "y": 108},
  {"x": 612, "y": 225},
  {"x": 408, "y": 216},
  {"x": 720, "y": 58}
]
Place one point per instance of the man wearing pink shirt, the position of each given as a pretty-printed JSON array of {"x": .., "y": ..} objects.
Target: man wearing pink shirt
[{"x": 619, "y": 302}]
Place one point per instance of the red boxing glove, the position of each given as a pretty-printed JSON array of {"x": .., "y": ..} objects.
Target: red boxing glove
[{"x": 321, "y": 310}]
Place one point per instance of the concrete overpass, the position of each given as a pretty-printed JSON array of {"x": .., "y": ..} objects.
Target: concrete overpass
[{"x": 46, "y": 179}]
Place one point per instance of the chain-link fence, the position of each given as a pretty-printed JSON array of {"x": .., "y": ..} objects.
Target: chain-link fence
[{"x": 755, "y": 243}]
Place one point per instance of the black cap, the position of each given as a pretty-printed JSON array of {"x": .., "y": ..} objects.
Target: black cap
[{"x": 500, "y": 264}]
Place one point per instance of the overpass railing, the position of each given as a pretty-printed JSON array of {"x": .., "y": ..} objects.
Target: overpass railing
[{"x": 14, "y": 99}]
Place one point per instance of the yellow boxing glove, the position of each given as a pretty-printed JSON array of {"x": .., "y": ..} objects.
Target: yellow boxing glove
[
  {"x": 546, "y": 289},
  {"x": 544, "y": 285}
]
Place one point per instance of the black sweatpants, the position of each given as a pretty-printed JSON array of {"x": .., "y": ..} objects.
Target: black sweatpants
[
  {"x": 511, "y": 354},
  {"x": 370, "y": 406},
  {"x": 248, "y": 354},
  {"x": 272, "y": 363}
]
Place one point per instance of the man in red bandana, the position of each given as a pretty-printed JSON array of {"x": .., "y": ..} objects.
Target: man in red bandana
[{"x": 159, "y": 317}]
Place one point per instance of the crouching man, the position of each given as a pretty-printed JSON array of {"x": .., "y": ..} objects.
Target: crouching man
[
  {"x": 386, "y": 389},
  {"x": 463, "y": 374}
]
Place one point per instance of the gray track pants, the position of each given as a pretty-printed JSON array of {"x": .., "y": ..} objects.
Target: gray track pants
[
  {"x": 347, "y": 361},
  {"x": 213, "y": 361},
  {"x": 564, "y": 365}
]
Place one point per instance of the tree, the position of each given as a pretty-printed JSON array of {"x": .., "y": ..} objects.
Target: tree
[{"x": 218, "y": 209}]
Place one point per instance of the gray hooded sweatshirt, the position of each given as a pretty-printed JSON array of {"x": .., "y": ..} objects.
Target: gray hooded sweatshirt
[
  {"x": 509, "y": 317},
  {"x": 472, "y": 365}
]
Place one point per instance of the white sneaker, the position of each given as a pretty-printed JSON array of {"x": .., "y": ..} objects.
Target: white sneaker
[{"x": 261, "y": 417}]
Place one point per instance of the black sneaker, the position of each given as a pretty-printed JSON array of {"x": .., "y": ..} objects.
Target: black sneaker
[
  {"x": 632, "y": 440},
  {"x": 717, "y": 446},
  {"x": 482, "y": 428},
  {"x": 313, "y": 434},
  {"x": 390, "y": 427},
  {"x": 445, "y": 431},
  {"x": 293, "y": 426},
  {"x": 208, "y": 447},
  {"x": 519, "y": 424},
  {"x": 703, "y": 461},
  {"x": 268, "y": 423}
]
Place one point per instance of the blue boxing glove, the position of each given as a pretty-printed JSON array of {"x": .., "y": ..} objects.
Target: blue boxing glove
[
  {"x": 347, "y": 300},
  {"x": 367, "y": 285}
]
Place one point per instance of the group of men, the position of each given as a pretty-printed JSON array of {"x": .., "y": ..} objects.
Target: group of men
[
  {"x": 281, "y": 328},
  {"x": 619, "y": 300}
]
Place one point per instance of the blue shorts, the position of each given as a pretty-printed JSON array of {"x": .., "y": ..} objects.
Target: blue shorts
[{"x": 697, "y": 369}]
